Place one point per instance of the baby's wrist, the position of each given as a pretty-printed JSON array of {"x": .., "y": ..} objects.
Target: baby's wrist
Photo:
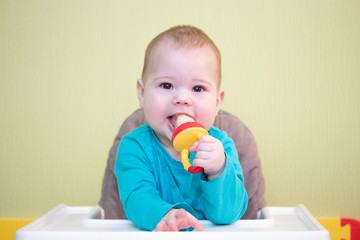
[{"x": 213, "y": 175}]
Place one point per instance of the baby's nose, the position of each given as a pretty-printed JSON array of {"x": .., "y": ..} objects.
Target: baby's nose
[{"x": 182, "y": 97}]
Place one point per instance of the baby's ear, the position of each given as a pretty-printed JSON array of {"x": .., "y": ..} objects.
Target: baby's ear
[
  {"x": 220, "y": 99},
  {"x": 140, "y": 91}
]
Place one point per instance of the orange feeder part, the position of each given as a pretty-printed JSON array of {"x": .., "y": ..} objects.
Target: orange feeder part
[{"x": 183, "y": 138}]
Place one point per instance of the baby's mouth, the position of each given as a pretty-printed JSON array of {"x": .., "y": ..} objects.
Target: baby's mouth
[
  {"x": 172, "y": 121},
  {"x": 178, "y": 119}
]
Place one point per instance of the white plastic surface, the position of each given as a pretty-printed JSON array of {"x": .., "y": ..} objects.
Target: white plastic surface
[{"x": 64, "y": 222}]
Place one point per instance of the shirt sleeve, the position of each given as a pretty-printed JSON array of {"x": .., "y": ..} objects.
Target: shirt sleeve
[
  {"x": 225, "y": 198},
  {"x": 142, "y": 202}
]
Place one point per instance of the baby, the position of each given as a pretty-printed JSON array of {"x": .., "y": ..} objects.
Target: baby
[{"x": 181, "y": 76}]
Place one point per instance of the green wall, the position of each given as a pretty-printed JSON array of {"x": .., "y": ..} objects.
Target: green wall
[{"x": 68, "y": 71}]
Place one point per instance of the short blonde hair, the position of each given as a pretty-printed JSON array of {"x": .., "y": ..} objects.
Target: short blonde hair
[{"x": 183, "y": 36}]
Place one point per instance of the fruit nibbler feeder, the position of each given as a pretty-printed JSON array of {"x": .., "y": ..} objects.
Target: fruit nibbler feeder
[{"x": 184, "y": 136}]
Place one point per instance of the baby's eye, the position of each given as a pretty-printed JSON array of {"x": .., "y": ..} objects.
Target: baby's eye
[
  {"x": 198, "y": 89},
  {"x": 166, "y": 86}
]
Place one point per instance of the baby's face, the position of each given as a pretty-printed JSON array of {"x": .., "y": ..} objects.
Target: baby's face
[{"x": 180, "y": 81}]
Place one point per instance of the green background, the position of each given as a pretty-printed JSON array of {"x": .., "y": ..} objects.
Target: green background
[{"x": 68, "y": 71}]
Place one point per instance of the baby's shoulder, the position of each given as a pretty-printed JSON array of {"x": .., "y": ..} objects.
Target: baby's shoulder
[
  {"x": 217, "y": 133},
  {"x": 141, "y": 132},
  {"x": 142, "y": 129}
]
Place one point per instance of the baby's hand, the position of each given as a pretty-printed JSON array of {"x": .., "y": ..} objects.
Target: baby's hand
[
  {"x": 210, "y": 155},
  {"x": 177, "y": 219}
]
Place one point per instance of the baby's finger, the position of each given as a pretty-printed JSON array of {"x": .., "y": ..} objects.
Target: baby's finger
[
  {"x": 193, "y": 148},
  {"x": 162, "y": 226},
  {"x": 193, "y": 222},
  {"x": 203, "y": 155},
  {"x": 206, "y": 139},
  {"x": 175, "y": 219},
  {"x": 205, "y": 147},
  {"x": 198, "y": 162}
]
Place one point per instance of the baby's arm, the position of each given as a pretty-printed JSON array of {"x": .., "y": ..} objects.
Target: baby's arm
[
  {"x": 177, "y": 219},
  {"x": 223, "y": 190}
]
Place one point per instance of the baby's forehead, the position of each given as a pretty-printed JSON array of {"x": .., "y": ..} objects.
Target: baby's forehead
[
  {"x": 162, "y": 53},
  {"x": 165, "y": 47}
]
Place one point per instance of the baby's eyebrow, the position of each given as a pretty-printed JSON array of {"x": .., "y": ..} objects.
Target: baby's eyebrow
[
  {"x": 201, "y": 81},
  {"x": 164, "y": 77}
]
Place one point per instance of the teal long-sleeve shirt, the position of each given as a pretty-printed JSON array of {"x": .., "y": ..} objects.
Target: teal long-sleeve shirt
[{"x": 151, "y": 182}]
